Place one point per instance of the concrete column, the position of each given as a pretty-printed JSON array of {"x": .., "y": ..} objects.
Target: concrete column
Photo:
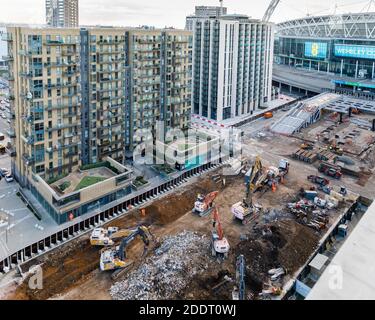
[
  {"x": 318, "y": 66},
  {"x": 356, "y": 69},
  {"x": 342, "y": 67},
  {"x": 373, "y": 70}
]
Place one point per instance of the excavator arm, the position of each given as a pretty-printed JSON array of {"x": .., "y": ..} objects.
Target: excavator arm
[
  {"x": 217, "y": 224},
  {"x": 256, "y": 172},
  {"x": 141, "y": 231}
]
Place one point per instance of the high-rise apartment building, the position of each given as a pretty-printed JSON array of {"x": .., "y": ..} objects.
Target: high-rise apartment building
[
  {"x": 62, "y": 13},
  {"x": 204, "y": 12},
  {"x": 79, "y": 95},
  {"x": 232, "y": 65}
]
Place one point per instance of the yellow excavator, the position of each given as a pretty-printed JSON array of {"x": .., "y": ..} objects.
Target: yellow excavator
[
  {"x": 114, "y": 258},
  {"x": 246, "y": 210},
  {"x": 104, "y": 237}
]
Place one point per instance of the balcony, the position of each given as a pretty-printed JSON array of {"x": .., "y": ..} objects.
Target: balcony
[
  {"x": 63, "y": 126},
  {"x": 110, "y": 41},
  {"x": 28, "y": 159},
  {"x": 11, "y": 133},
  {"x": 8, "y": 58},
  {"x": 68, "y": 52},
  {"x": 70, "y": 73},
  {"x": 60, "y": 64},
  {"x": 59, "y": 43},
  {"x": 11, "y": 151},
  {"x": 7, "y": 37},
  {"x": 60, "y": 85},
  {"x": 71, "y": 114},
  {"x": 70, "y": 154},
  {"x": 26, "y": 74},
  {"x": 62, "y": 106}
]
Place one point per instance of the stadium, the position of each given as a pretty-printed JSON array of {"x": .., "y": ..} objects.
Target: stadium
[{"x": 330, "y": 52}]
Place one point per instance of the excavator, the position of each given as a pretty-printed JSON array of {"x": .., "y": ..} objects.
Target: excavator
[
  {"x": 246, "y": 210},
  {"x": 219, "y": 244},
  {"x": 204, "y": 204},
  {"x": 114, "y": 258},
  {"x": 106, "y": 237}
]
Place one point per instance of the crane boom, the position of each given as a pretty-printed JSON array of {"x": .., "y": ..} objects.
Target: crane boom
[
  {"x": 270, "y": 10},
  {"x": 143, "y": 232}
]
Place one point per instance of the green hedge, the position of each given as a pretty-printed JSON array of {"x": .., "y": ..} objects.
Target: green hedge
[
  {"x": 99, "y": 165},
  {"x": 57, "y": 178},
  {"x": 64, "y": 186}
]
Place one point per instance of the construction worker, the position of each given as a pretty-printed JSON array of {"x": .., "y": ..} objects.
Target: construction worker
[{"x": 273, "y": 186}]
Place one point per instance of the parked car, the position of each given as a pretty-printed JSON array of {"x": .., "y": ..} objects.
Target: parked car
[
  {"x": 9, "y": 178},
  {"x": 4, "y": 172}
]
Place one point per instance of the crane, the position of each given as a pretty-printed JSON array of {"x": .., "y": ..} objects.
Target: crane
[
  {"x": 270, "y": 10},
  {"x": 220, "y": 245}
]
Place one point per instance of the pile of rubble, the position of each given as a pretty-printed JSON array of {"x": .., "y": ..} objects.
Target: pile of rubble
[{"x": 166, "y": 273}]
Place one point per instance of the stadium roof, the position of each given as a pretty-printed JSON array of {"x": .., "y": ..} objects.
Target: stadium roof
[{"x": 356, "y": 26}]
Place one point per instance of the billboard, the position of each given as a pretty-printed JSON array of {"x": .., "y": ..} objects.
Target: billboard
[
  {"x": 316, "y": 50},
  {"x": 355, "y": 51}
]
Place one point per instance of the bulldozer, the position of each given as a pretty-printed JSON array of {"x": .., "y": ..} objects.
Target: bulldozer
[
  {"x": 114, "y": 258},
  {"x": 204, "y": 203}
]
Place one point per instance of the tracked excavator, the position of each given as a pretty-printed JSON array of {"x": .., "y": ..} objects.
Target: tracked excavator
[
  {"x": 219, "y": 244},
  {"x": 105, "y": 237},
  {"x": 204, "y": 203},
  {"x": 246, "y": 210},
  {"x": 114, "y": 258}
]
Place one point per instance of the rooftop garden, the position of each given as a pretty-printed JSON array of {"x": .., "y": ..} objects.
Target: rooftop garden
[{"x": 88, "y": 181}]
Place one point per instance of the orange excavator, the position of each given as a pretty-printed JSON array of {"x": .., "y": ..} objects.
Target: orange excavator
[
  {"x": 204, "y": 204},
  {"x": 219, "y": 244}
]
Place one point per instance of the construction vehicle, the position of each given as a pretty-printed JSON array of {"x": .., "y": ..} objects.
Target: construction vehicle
[
  {"x": 275, "y": 274},
  {"x": 270, "y": 291},
  {"x": 318, "y": 180},
  {"x": 107, "y": 237},
  {"x": 240, "y": 291},
  {"x": 204, "y": 204},
  {"x": 330, "y": 170},
  {"x": 307, "y": 146},
  {"x": 219, "y": 244},
  {"x": 114, "y": 258},
  {"x": 246, "y": 210},
  {"x": 268, "y": 115}
]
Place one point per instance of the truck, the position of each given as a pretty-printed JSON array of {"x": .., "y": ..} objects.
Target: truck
[{"x": 330, "y": 169}]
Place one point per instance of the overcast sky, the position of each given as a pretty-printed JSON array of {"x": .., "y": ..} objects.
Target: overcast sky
[{"x": 161, "y": 13}]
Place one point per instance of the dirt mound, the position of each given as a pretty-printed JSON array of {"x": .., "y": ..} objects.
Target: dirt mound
[
  {"x": 289, "y": 247},
  {"x": 172, "y": 207}
]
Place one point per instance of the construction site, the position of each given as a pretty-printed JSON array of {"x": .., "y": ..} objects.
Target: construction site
[{"x": 244, "y": 236}]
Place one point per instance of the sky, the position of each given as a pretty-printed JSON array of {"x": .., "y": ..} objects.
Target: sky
[{"x": 171, "y": 13}]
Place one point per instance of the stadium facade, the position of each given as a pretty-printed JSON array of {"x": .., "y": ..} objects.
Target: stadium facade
[{"x": 342, "y": 46}]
